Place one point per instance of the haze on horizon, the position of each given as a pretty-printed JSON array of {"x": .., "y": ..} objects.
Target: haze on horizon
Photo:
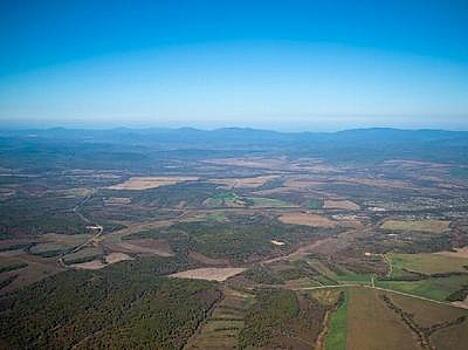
[{"x": 295, "y": 65}]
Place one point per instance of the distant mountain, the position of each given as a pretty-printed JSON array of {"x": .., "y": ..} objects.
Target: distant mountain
[{"x": 147, "y": 145}]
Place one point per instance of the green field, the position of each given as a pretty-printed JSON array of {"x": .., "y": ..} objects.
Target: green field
[
  {"x": 432, "y": 288},
  {"x": 259, "y": 202},
  {"x": 336, "y": 338},
  {"x": 427, "y": 263}
]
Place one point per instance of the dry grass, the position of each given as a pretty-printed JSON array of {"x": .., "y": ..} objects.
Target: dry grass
[
  {"x": 158, "y": 247},
  {"x": 110, "y": 259},
  {"x": 431, "y": 226},
  {"x": 457, "y": 253},
  {"x": 207, "y": 260},
  {"x": 307, "y": 219},
  {"x": 426, "y": 313},
  {"x": 371, "y": 325},
  {"x": 246, "y": 182},
  {"x": 117, "y": 201},
  {"x": 340, "y": 204},
  {"x": 210, "y": 273},
  {"x": 145, "y": 183},
  {"x": 251, "y": 162},
  {"x": 37, "y": 269},
  {"x": 429, "y": 263}
]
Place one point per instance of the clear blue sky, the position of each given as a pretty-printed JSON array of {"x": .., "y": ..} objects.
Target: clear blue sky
[{"x": 289, "y": 65}]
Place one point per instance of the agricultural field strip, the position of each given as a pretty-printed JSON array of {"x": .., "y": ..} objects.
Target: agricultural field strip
[{"x": 382, "y": 289}]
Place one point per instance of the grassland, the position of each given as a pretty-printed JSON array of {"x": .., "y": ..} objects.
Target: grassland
[
  {"x": 337, "y": 334},
  {"x": 260, "y": 202},
  {"x": 430, "y": 226},
  {"x": 145, "y": 183},
  {"x": 428, "y": 263},
  {"x": 221, "y": 330},
  {"x": 307, "y": 219},
  {"x": 437, "y": 288},
  {"x": 218, "y": 274}
]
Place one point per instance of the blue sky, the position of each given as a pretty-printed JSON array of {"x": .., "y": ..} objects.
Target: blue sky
[{"x": 290, "y": 65}]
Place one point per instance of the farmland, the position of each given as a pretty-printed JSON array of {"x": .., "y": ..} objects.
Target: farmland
[{"x": 176, "y": 247}]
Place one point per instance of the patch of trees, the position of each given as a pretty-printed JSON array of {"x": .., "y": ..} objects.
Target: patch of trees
[
  {"x": 123, "y": 306},
  {"x": 279, "y": 315},
  {"x": 242, "y": 239}
]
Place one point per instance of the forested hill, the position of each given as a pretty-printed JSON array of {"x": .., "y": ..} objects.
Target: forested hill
[{"x": 144, "y": 146}]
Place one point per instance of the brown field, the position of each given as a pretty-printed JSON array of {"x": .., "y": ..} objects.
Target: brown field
[
  {"x": 210, "y": 273},
  {"x": 37, "y": 269},
  {"x": 340, "y": 204},
  {"x": 158, "y": 247},
  {"x": 371, "y": 325},
  {"x": 145, "y": 183},
  {"x": 378, "y": 182},
  {"x": 110, "y": 259},
  {"x": 457, "y": 253},
  {"x": 452, "y": 338},
  {"x": 221, "y": 330},
  {"x": 54, "y": 241},
  {"x": 430, "y": 226},
  {"x": 301, "y": 183},
  {"x": 426, "y": 313},
  {"x": 207, "y": 260},
  {"x": 247, "y": 182},
  {"x": 307, "y": 219}
]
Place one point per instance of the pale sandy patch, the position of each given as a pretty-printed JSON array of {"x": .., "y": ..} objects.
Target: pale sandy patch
[
  {"x": 250, "y": 162},
  {"x": 246, "y": 182},
  {"x": 307, "y": 219},
  {"x": 218, "y": 274},
  {"x": 146, "y": 182},
  {"x": 117, "y": 201},
  {"x": 463, "y": 303},
  {"x": 115, "y": 257},
  {"x": 458, "y": 253},
  {"x": 278, "y": 243},
  {"x": 340, "y": 204},
  {"x": 89, "y": 265}
]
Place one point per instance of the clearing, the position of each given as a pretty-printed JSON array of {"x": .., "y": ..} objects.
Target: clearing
[
  {"x": 139, "y": 183},
  {"x": 430, "y": 226},
  {"x": 246, "y": 182},
  {"x": 307, "y": 219},
  {"x": 340, "y": 204},
  {"x": 371, "y": 325},
  {"x": 97, "y": 264},
  {"x": 218, "y": 274}
]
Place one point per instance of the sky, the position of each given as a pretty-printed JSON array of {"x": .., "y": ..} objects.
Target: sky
[{"x": 283, "y": 65}]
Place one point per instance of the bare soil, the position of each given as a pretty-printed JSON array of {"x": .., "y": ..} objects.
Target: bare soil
[
  {"x": 145, "y": 183},
  {"x": 218, "y": 274}
]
